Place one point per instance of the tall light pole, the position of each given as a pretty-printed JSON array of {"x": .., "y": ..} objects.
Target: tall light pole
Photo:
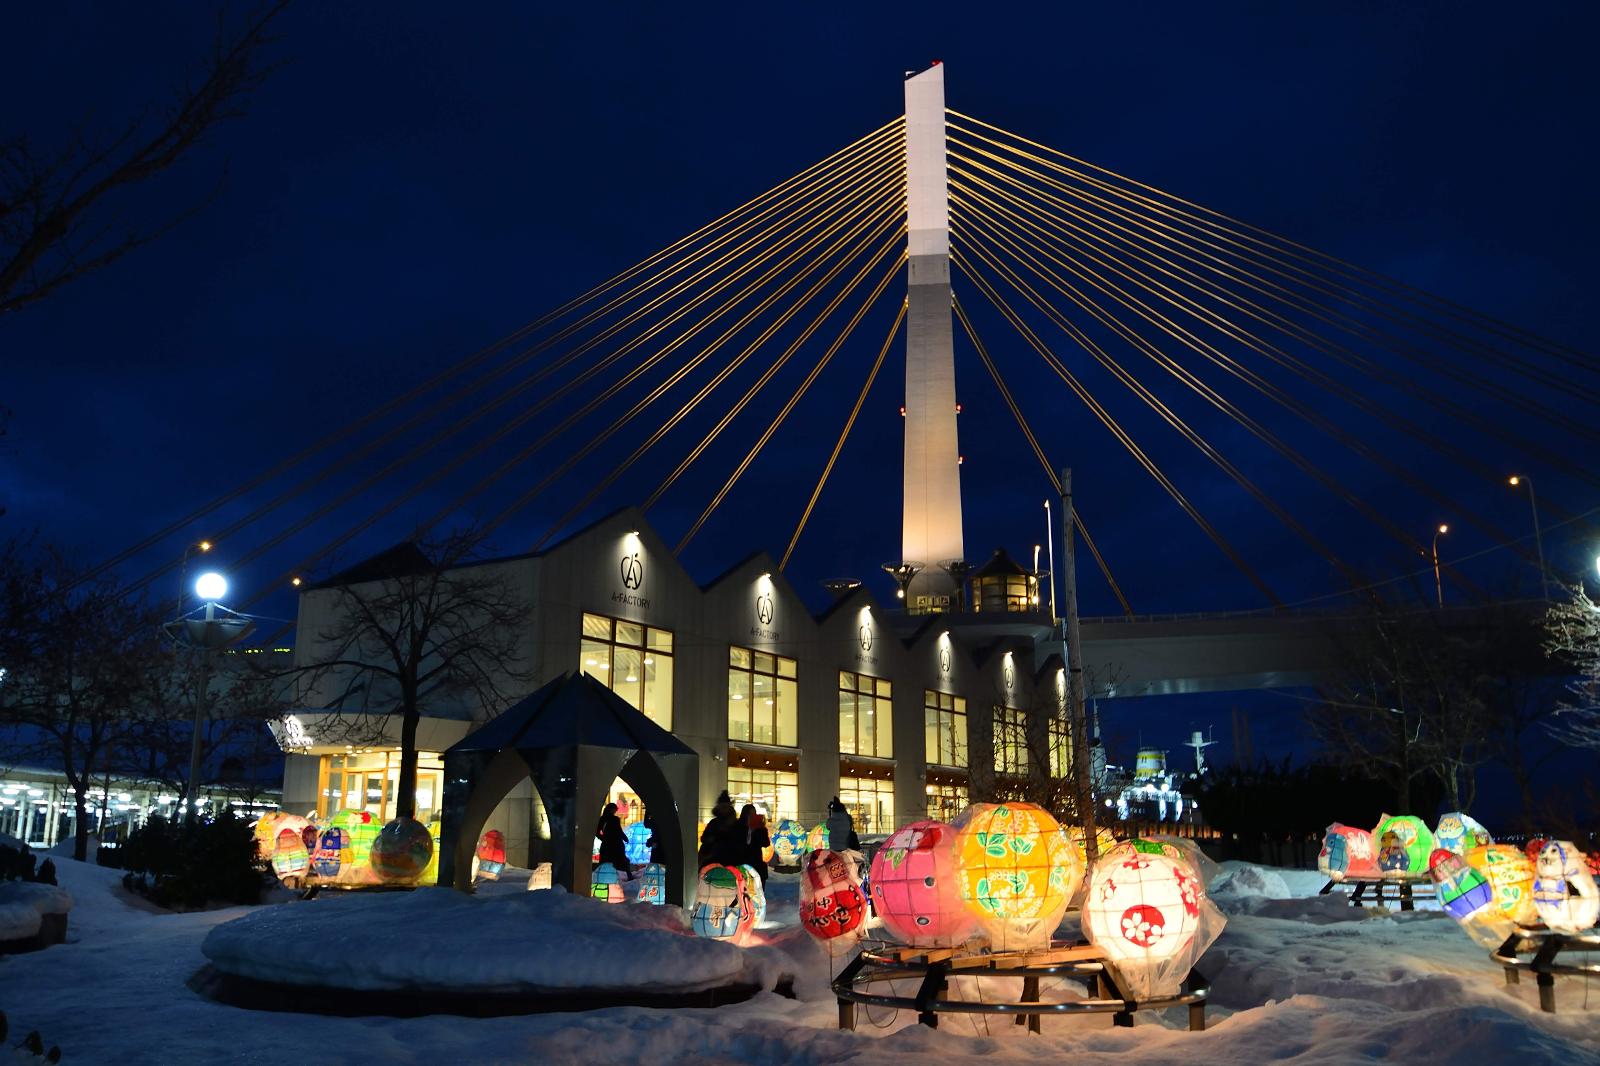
[
  {"x": 208, "y": 628},
  {"x": 1438, "y": 586},
  {"x": 1538, "y": 537},
  {"x": 1078, "y": 721}
]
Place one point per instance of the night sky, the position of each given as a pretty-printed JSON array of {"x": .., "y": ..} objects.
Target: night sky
[{"x": 421, "y": 179}]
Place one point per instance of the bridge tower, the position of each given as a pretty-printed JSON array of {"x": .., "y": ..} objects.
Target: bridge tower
[{"x": 931, "y": 523}]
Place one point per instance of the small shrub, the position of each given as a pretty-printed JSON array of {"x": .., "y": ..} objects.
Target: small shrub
[{"x": 189, "y": 866}]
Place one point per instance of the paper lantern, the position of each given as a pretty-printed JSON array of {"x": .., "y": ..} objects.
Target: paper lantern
[
  {"x": 270, "y": 827},
  {"x": 1564, "y": 893},
  {"x": 1591, "y": 859},
  {"x": 1510, "y": 874},
  {"x": 833, "y": 909},
  {"x": 332, "y": 847},
  {"x": 1533, "y": 847},
  {"x": 401, "y": 852},
  {"x": 755, "y": 897},
  {"x": 719, "y": 903},
  {"x": 914, "y": 889},
  {"x": 652, "y": 884},
  {"x": 1347, "y": 852},
  {"x": 289, "y": 858},
  {"x": 817, "y": 838},
  {"x": 1467, "y": 896},
  {"x": 430, "y": 873},
  {"x": 1148, "y": 911},
  {"x": 1104, "y": 841},
  {"x": 363, "y": 829},
  {"x": 491, "y": 855},
  {"x": 1404, "y": 844},
  {"x": 1460, "y": 833},
  {"x": 1015, "y": 873},
  {"x": 637, "y": 847},
  {"x": 542, "y": 876},
  {"x": 606, "y": 884},
  {"x": 788, "y": 842}
]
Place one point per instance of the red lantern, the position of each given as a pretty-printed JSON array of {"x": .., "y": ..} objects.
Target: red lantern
[{"x": 832, "y": 907}]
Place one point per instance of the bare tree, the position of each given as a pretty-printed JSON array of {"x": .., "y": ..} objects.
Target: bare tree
[
  {"x": 440, "y": 626},
  {"x": 59, "y": 219},
  {"x": 1572, "y": 640}
]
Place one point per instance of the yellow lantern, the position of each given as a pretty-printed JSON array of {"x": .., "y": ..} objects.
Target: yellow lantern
[
  {"x": 1510, "y": 874},
  {"x": 1016, "y": 873}
]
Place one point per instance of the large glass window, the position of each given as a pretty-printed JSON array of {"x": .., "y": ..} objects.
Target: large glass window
[
  {"x": 1060, "y": 747},
  {"x": 776, "y": 793},
  {"x": 866, "y": 716},
  {"x": 634, "y": 661},
  {"x": 1010, "y": 741},
  {"x": 944, "y": 719},
  {"x": 946, "y": 799},
  {"x": 763, "y": 700},
  {"x": 870, "y": 801},
  {"x": 370, "y": 781}
]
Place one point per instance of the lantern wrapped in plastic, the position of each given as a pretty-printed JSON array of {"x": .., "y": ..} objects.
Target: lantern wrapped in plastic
[
  {"x": 1534, "y": 846},
  {"x": 1459, "y": 833},
  {"x": 401, "y": 852},
  {"x": 1404, "y": 844},
  {"x": 914, "y": 887},
  {"x": 1148, "y": 911},
  {"x": 788, "y": 842},
  {"x": 1104, "y": 841},
  {"x": 289, "y": 858},
  {"x": 363, "y": 829},
  {"x": 653, "y": 884},
  {"x": 332, "y": 847},
  {"x": 755, "y": 894},
  {"x": 491, "y": 855},
  {"x": 1467, "y": 896},
  {"x": 637, "y": 846},
  {"x": 833, "y": 908},
  {"x": 542, "y": 876},
  {"x": 1015, "y": 873},
  {"x": 1564, "y": 893},
  {"x": 606, "y": 884},
  {"x": 719, "y": 903},
  {"x": 1347, "y": 852},
  {"x": 269, "y": 829},
  {"x": 817, "y": 838},
  {"x": 1510, "y": 874},
  {"x": 430, "y": 873}
]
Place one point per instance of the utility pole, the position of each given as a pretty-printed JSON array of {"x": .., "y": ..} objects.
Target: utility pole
[{"x": 1073, "y": 646}]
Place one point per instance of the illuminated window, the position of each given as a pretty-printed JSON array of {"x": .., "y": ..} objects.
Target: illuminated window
[
  {"x": 946, "y": 800},
  {"x": 763, "y": 700},
  {"x": 1010, "y": 741},
  {"x": 944, "y": 719},
  {"x": 634, "y": 661},
  {"x": 866, "y": 716},
  {"x": 870, "y": 801},
  {"x": 776, "y": 793},
  {"x": 1060, "y": 747},
  {"x": 370, "y": 781}
]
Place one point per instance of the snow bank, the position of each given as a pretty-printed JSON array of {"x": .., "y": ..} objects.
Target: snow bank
[
  {"x": 524, "y": 941},
  {"x": 22, "y": 903}
]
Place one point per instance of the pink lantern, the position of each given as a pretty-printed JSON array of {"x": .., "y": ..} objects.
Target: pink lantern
[
  {"x": 832, "y": 908},
  {"x": 289, "y": 857},
  {"x": 1348, "y": 852},
  {"x": 914, "y": 887}
]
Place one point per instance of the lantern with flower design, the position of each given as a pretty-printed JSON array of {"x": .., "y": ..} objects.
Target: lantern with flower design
[
  {"x": 832, "y": 906},
  {"x": 1147, "y": 909},
  {"x": 1564, "y": 893},
  {"x": 1347, "y": 852},
  {"x": 1510, "y": 875},
  {"x": 914, "y": 887},
  {"x": 1016, "y": 872}
]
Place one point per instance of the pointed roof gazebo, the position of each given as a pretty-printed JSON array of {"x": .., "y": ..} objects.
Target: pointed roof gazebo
[{"x": 573, "y": 737}]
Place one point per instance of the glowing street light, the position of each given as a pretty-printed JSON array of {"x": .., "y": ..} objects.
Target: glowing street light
[
  {"x": 1438, "y": 586},
  {"x": 211, "y": 587},
  {"x": 1538, "y": 538}
]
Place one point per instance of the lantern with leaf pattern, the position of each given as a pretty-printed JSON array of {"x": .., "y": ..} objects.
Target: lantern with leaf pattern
[{"x": 1016, "y": 872}]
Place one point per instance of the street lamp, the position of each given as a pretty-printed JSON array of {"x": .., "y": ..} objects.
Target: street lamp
[
  {"x": 208, "y": 628},
  {"x": 183, "y": 574},
  {"x": 1438, "y": 586},
  {"x": 1538, "y": 538},
  {"x": 210, "y": 587}
]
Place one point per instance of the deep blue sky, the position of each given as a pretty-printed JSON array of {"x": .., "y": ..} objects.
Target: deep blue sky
[{"x": 420, "y": 179}]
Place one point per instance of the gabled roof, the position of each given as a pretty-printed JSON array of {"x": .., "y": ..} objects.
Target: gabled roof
[
  {"x": 1000, "y": 564},
  {"x": 573, "y": 710},
  {"x": 402, "y": 560}
]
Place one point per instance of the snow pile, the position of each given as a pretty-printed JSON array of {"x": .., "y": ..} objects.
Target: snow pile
[
  {"x": 1243, "y": 883},
  {"x": 524, "y": 941},
  {"x": 22, "y": 903}
]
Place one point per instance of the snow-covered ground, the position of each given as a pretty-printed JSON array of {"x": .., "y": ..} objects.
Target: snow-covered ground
[{"x": 1295, "y": 978}]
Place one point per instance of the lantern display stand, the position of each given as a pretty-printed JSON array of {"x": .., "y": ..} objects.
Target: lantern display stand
[
  {"x": 935, "y": 966},
  {"x": 1407, "y": 890},
  {"x": 1543, "y": 946}
]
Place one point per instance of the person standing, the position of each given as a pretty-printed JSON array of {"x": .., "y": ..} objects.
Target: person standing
[
  {"x": 722, "y": 841},
  {"x": 613, "y": 842},
  {"x": 841, "y": 828},
  {"x": 756, "y": 840}
]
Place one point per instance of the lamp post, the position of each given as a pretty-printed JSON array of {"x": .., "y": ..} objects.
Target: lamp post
[
  {"x": 208, "y": 628},
  {"x": 1538, "y": 537},
  {"x": 1438, "y": 586},
  {"x": 183, "y": 571}
]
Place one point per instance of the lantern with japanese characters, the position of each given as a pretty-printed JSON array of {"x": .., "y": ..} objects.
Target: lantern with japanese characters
[
  {"x": 1147, "y": 909},
  {"x": 719, "y": 902},
  {"x": 332, "y": 847},
  {"x": 1460, "y": 833},
  {"x": 491, "y": 855},
  {"x": 542, "y": 876},
  {"x": 401, "y": 852},
  {"x": 1466, "y": 895},
  {"x": 653, "y": 884},
  {"x": 1347, "y": 852},
  {"x": 637, "y": 843},
  {"x": 755, "y": 894},
  {"x": 606, "y": 884},
  {"x": 1564, "y": 894},
  {"x": 1015, "y": 872},
  {"x": 788, "y": 842},
  {"x": 289, "y": 858},
  {"x": 914, "y": 887},
  {"x": 1404, "y": 844},
  {"x": 1510, "y": 875},
  {"x": 832, "y": 906}
]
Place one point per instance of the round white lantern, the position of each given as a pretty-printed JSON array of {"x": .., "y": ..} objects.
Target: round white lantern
[{"x": 1146, "y": 908}]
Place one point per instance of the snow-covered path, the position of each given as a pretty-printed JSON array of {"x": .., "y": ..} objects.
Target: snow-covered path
[{"x": 1299, "y": 979}]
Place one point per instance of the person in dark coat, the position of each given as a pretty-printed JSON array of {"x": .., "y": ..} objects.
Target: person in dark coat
[
  {"x": 841, "y": 828},
  {"x": 722, "y": 842},
  {"x": 613, "y": 842},
  {"x": 756, "y": 840}
]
